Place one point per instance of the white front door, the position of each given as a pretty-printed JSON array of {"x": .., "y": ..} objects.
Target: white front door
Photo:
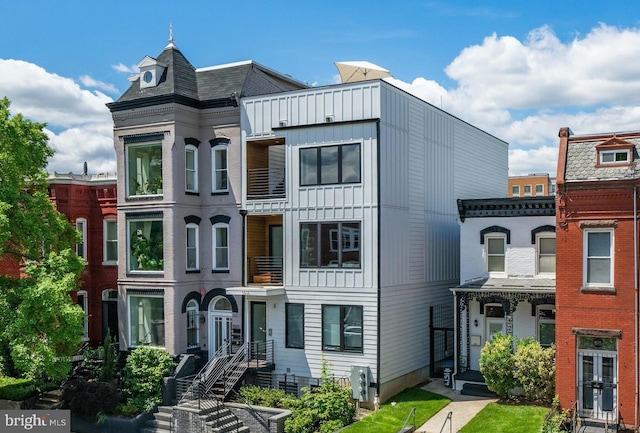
[
  {"x": 220, "y": 326},
  {"x": 493, "y": 325},
  {"x": 597, "y": 384}
]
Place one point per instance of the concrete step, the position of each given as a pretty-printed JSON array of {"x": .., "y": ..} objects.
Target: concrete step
[{"x": 477, "y": 390}]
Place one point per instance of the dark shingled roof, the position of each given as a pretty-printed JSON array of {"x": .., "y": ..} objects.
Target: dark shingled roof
[
  {"x": 204, "y": 88},
  {"x": 582, "y": 157}
]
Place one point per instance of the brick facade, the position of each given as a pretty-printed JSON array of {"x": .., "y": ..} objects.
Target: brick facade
[
  {"x": 582, "y": 309},
  {"x": 94, "y": 199}
]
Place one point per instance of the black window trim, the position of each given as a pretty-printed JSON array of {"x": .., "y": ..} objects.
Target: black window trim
[{"x": 319, "y": 165}]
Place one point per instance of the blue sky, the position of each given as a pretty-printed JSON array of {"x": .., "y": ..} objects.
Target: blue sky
[{"x": 519, "y": 70}]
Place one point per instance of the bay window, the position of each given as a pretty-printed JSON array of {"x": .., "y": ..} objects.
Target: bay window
[
  {"x": 144, "y": 169},
  {"x": 146, "y": 320},
  {"x": 145, "y": 247}
]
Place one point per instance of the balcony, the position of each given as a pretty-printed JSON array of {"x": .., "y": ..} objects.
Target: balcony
[
  {"x": 265, "y": 270},
  {"x": 266, "y": 169},
  {"x": 265, "y": 183}
]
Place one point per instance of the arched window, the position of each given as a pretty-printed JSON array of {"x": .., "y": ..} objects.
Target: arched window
[
  {"x": 191, "y": 168},
  {"x": 81, "y": 246},
  {"x": 220, "y": 181},
  {"x": 192, "y": 324},
  {"x": 220, "y": 244}
]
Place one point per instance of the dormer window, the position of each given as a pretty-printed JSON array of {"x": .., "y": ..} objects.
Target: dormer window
[
  {"x": 614, "y": 152},
  {"x": 614, "y": 156},
  {"x": 151, "y": 72}
]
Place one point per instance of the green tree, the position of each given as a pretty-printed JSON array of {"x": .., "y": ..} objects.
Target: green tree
[{"x": 39, "y": 325}]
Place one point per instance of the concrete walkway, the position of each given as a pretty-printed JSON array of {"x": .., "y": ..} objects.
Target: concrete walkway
[{"x": 463, "y": 408}]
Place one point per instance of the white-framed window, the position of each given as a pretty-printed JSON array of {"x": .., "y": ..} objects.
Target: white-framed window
[
  {"x": 146, "y": 320},
  {"x": 84, "y": 304},
  {"x": 539, "y": 189},
  {"x": 546, "y": 324},
  {"x": 110, "y": 234},
  {"x": 220, "y": 246},
  {"x": 144, "y": 169},
  {"x": 81, "y": 246},
  {"x": 193, "y": 339},
  {"x": 191, "y": 168},
  {"x": 220, "y": 181},
  {"x": 598, "y": 257},
  {"x": 621, "y": 156},
  {"x": 546, "y": 247},
  {"x": 193, "y": 247},
  {"x": 342, "y": 328},
  {"x": 145, "y": 244},
  {"x": 527, "y": 190},
  {"x": 515, "y": 191},
  {"x": 495, "y": 250},
  {"x": 330, "y": 244}
]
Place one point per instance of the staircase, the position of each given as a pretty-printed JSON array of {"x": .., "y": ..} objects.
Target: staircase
[
  {"x": 49, "y": 400},
  {"x": 161, "y": 421},
  {"x": 477, "y": 390}
]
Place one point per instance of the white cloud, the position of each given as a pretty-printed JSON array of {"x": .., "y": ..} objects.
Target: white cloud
[
  {"x": 125, "y": 69},
  {"x": 87, "y": 81},
  {"x": 524, "y": 91},
  {"x": 78, "y": 122}
]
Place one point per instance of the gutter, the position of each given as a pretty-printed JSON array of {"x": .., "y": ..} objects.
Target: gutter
[{"x": 378, "y": 360}]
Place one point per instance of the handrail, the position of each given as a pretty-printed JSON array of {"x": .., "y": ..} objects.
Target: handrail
[
  {"x": 412, "y": 412},
  {"x": 259, "y": 417},
  {"x": 450, "y": 419}
]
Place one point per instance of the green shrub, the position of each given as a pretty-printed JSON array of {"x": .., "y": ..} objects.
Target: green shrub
[
  {"x": 260, "y": 396},
  {"x": 556, "y": 420},
  {"x": 90, "y": 399},
  {"x": 535, "y": 370},
  {"x": 17, "y": 389},
  {"x": 143, "y": 372},
  {"x": 497, "y": 364},
  {"x": 325, "y": 408}
]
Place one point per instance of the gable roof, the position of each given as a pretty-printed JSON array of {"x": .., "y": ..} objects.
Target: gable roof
[{"x": 216, "y": 86}]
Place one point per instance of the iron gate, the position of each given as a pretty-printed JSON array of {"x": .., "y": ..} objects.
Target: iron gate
[{"x": 441, "y": 329}]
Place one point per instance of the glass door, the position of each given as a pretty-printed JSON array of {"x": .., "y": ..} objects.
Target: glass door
[
  {"x": 597, "y": 385},
  {"x": 220, "y": 326}
]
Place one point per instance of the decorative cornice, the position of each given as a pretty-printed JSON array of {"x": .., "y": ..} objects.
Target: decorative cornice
[{"x": 506, "y": 207}]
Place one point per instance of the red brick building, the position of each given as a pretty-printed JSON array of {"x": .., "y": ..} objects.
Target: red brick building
[
  {"x": 596, "y": 282},
  {"x": 89, "y": 203}
]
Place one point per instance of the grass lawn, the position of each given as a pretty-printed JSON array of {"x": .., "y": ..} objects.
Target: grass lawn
[
  {"x": 389, "y": 418},
  {"x": 507, "y": 418}
]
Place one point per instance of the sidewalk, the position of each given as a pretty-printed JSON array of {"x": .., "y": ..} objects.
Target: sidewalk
[{"x": 463, "y": 408}]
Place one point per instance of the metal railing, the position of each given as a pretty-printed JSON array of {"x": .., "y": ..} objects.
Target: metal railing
[
  {"x": 266, "y": 183},
  {"x": 449, "y": 419},
  {"x": 412, "y": 413},
  {"x": 266, "y": 269}
]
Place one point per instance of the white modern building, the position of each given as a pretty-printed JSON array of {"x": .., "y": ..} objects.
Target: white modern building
[{"x": 351, "y": 226}]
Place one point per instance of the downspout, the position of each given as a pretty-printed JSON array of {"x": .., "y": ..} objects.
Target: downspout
[
  {"x": 635, "y": 286},
  {"x": 455, "y": 340},
  {"x": 378, "y": 360},
  {"x": 243, "y": 213}
]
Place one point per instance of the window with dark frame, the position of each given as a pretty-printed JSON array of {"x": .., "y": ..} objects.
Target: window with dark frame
[
  {"x": 192, "y": 324},
  {"x": 330, "y": 245},
  {"x": 342, "y": 328},
  {"x": 330, "y": 165},
  {"x": 294, "y": 326}
]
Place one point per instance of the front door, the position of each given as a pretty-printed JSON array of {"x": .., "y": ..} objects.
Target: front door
[
  {"x": 597, "y": 379},
  {"x": 220, "y": 326},
  {"x": 494, "y": 326},
  {"x": 258, "y": 330}
]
